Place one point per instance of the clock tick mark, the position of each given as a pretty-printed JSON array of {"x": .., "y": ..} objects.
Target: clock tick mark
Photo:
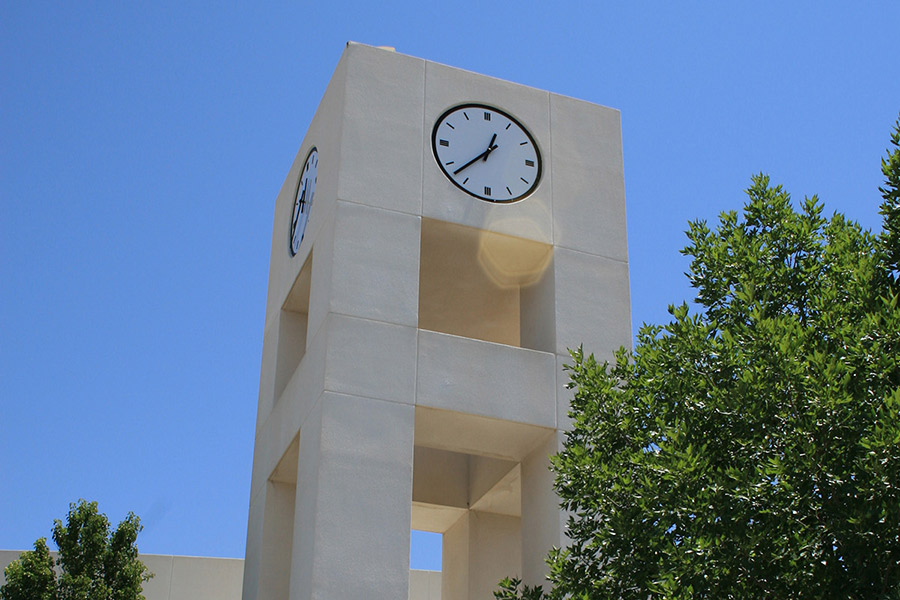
[
  {"x": 448, "y": 163},
  {"x": 465, "y": 180},
  {"x": 445, "y": 143},
  {"x": 523, "y": 143},
  {"x": 523, "y": 179},
  {"x": 529, "y": 163},
  {"x": 487, "y": 191},
  {"x": 508, "y": 191},
  {"x": 487, "y": 116},
  {"x": 465, "y": 115},
  {"x": 450, "y": 126},
  {"x": 508, "y": 125}
]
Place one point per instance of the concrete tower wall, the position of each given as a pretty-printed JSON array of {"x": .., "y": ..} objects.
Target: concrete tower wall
[{"x": 412, "y": 359}]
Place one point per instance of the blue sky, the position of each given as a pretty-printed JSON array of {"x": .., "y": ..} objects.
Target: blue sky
[{"x": 142, "y": 146}]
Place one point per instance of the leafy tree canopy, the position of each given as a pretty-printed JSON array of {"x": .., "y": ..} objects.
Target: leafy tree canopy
[
  {"x": 751, "y": 449},
  {"x": 94, "y": 563}
]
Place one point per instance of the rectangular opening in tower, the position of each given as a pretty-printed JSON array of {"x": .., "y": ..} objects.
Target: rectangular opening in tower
[
  {"x": 425, "y": 550},
  {"x": 474, "y": 503},
  {"x": 485, "y": 285},
  {"x": 292, "y": 325}
]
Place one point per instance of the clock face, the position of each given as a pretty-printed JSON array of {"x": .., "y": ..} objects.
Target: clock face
[
  {"x": 306, "y": 189},
  {"x": 486, "y": 153}
]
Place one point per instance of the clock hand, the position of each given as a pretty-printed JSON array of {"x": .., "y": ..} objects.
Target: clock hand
[
  {"x": 299, "y": 210},
  {"x": 473, "y": 161},
  {"x": 491, "y": 147},
  {"x": 483, "y": 156}
]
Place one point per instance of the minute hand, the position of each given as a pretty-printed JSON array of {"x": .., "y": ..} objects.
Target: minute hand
[
  {"x": 473, "y": 161},
  {"x": 491, "y": 147}
]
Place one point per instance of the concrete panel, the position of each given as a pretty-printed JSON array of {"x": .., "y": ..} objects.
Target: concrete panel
[
  {"x": 473, "y": 434},
  {"x": 303, "y": 547},
  {"x": 588, "y": 182},
  {"x": 455, "y": 561},
  {"x": 371, "y": 358},
  {"x": 324, "y": 133},
  {"x": 376, "y": 264},
  {"x": 196, "y": 578},
  {"x": 537, "y": 306},
  {"x": 253, "y": 549},
  {"x": 178, "y": 577},
  {"x": 267, "y": 372},
  {"x": 563, "y": 394},
  {"x": 381, "y": 160},
  {"x": 353, "y": 531},
  {"x": 495, "y": 551},
  {"x": 434, "y": 517},
  {"x": 424, "y": 585},
  {"x": 160, "y": 584},
  {"x": 478, "y": 551},
  {"x": 278, "y": 529},
  {"x": 543, "y": 523},
  {"x": 440, "y": 477},
  {"x": 504, "y": 497},
  {"x": 307, "y": 382},
  {"x": 282, "y": 424},
  {"x": 529, "y": 218},
  {"x": 593, "y": 305},
  {"x": 485, "y": 474},
  {"x": 487, "y": 379},
  {"x": 321, "y": 278}
]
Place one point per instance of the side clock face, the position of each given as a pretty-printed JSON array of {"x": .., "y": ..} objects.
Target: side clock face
[
  {"x": 486, "y": 153},
  {"x": 306, "y": 189}
]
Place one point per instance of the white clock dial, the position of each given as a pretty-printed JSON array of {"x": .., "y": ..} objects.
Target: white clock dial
[
  {"x": 306, "y": 189},
  {"x": 486, "y": 153}
]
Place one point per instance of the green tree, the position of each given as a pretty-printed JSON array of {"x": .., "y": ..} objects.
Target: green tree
[
  {"x": 752, "y": 449},
  {"x": 93, "y": 563}
]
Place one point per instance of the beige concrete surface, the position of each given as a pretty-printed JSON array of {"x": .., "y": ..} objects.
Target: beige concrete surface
[
  {"x": 424, "y": 585},
  {"x": 375, "y": 276},
  {"x": 206, "y": 578},
  {"x": 588, "y": 195},
  {"x": 531, "y": 218},
  {"x": 354, "y": 487},
  {"x": 382, "y": 128},
  {"x": 500, "y": 382},
  {"x": 178, "y": 577},
  {"x": 411, "y": 370},
  {"x": 371, "y": 358}
]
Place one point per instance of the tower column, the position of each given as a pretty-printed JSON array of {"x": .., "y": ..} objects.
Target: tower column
[
  {"x": 543, "y": 522},
  {"x": 480, "y": 549},
  {"x": 354, "y": 484}
]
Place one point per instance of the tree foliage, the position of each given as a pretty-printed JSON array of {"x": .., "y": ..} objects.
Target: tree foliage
[
  {"x": 750, "y": 449},
  {"x": 93, "y": 562}
]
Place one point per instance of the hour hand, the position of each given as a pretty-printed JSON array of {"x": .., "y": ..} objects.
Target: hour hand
[
  {"x": 300, "y": 205},
  {"x": 491, "y": 147}
]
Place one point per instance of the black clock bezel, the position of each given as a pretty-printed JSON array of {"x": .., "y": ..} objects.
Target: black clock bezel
[
  {"x": 477, "y": 105},
  {"x": 294, "y": 203}
]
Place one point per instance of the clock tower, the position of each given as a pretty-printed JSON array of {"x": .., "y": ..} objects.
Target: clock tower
[{"x": 440, "y": 241}]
